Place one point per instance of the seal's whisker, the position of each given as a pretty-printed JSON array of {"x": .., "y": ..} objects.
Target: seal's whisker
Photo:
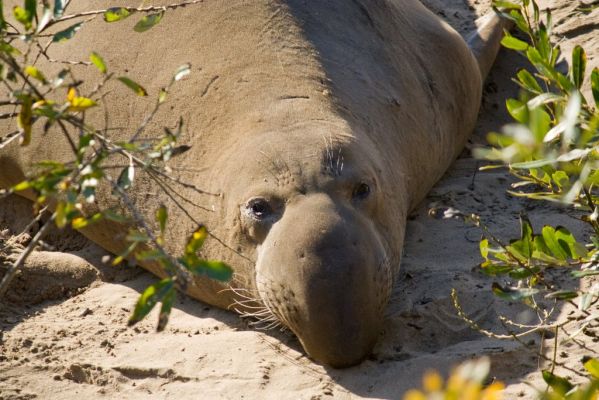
[
  {"x": 257, "y": 315},
  {"x": 242, "y": 292},
  {"x": 270, "y": 326},
  {"x": 248, "y": 301},
  {"x": 261, "y": 307}
]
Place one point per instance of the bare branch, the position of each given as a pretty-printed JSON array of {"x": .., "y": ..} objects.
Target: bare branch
[
  {"x": 12, "y": 271},
  {"x": 130, "y": 9}
]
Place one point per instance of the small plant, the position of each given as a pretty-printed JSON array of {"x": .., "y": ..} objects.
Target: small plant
[
  {"x": 552, "y": 151},
  {"x": 68, "y": 188}
]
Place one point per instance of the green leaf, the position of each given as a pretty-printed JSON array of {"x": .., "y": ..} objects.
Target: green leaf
[
  {"x": 484, "y": 248},
  {"x": 595, "y": 85},
  {"x": 98, "y": 61},
  {"x": 493, "y": 269},
  {"x": 121, "y": 257},
  {"x": 196, "y": 240},
  {"x": 150, "y": 255},
  {"x": 532, "y": 164},
  {"x": 506, "y": 5},
  {"x": 81, "y": 222},
  {"x": 165, "y": 309},
  {"x": 526, "y": 236},
  {"x": 540, "y": 121},
  {"x": 523, "y": 273},
  {"x": 31, "y": 7},
  {"x": 516, "y": 249},
  {"x": 543, "y": 44},
  {"x": 213, "y": 269},
  {"x": 60, "y": 218},
  {"x": 513, "y": 294},
  {"x": 58, "y": 8},
  {"x": 35, "y": 73},
  {"x": 557, "y": 383},
  {"x": 8, "y": 49},
  {"x": 512, "y": 43},
  {"x": 25, "y": 121},
  {"x": 564, "y": 83},
  {"x": 125, "y": 180},
  {"x": 528, "y": 81},
  {"x": 569, "y": 243},
  {"x": 148, "y": 299},
  {"x": 23, "y": 16},
  {"x": 517, "y": 110},
  {"x": 562, "y": 295},
  {"x": 148, "y": 21},
  {"x": 2, "y": 20},
  {"x": 551, "y": 241},
  {"x": 518, "y": 18},
  {"x": 161, "y": 217},
  {"x": 137, "y": 88},
  {"x": 136, "y": 236},
  {"x": 114, "y": 216},
  {"x": 579, "y": 63},
  {"x": 115, "y": 14},
  {"x": 77, "y": 103},
  {"x": 560, "y": 178},
  {"x": 162, "y": 96},
  {"x": 592, "y": 365},
  {"x": 540, "y": 64},
  {"x": 67, "y": 33}
]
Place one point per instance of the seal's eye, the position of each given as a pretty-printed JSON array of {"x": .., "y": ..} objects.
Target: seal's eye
[
  {"x": 259, "y": 208},
  {"x": 361, "y": 191}
]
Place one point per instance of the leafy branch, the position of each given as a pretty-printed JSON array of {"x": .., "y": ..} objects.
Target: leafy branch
[
  {"x": 552, "y": 151},
  {"x": 69, "y": 188}
]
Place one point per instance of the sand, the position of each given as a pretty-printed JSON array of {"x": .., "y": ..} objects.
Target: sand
[{"x": 61, "y": 342}]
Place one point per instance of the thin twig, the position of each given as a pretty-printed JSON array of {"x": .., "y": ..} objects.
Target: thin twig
[
  {"x": 12, "y": 271},
  {"x": 4, "y": 141},
  {"x": 130, "y": 9},
  {"x": 35, "y": 220}
]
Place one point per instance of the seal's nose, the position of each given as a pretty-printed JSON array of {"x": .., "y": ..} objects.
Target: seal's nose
[{"x": 327, "y": 282}]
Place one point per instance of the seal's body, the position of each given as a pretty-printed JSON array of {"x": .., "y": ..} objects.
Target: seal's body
[{"x": 320, "y": 124}]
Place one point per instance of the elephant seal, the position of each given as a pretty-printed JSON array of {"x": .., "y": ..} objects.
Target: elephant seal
[{"x": 318, "y": 124}]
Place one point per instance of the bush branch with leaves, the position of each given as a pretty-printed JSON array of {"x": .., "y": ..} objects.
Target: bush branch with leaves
[
  {"x": 65, "y": 189},
  {"x": 552, "y": 151}
]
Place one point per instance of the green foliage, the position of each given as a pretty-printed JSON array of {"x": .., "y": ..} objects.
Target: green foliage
[
  {"x": 51, "y": 103},
  {"x": 147, "y": 22},
  {"x": 552, "y": 150},
  {"x": 136, "y": 87}
]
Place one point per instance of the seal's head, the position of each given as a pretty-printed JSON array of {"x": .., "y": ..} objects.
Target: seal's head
[{"x": 310, "y": 206}]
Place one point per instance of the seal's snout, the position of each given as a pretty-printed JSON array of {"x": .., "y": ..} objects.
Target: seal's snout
[{"x": 329, "y": 281}]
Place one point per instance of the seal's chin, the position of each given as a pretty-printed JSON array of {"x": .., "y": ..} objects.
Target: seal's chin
[{"x": 327, "y": 279}]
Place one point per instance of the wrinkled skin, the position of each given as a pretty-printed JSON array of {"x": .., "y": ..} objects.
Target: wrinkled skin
[{"x": 319, "y": 126}]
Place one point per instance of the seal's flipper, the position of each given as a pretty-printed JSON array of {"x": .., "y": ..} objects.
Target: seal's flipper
[{"x": 485, "y": 41}]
